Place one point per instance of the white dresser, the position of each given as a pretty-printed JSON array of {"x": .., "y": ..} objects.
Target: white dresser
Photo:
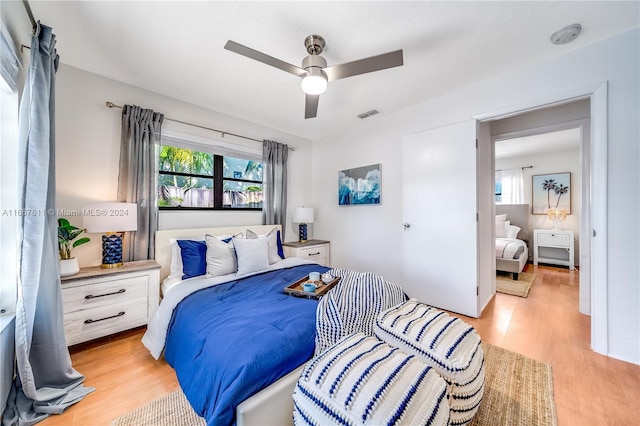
[
  {"x": 98, "y": 302},
  {"x": 316, "y": 250},
  {"x": 553, "y": 246}
]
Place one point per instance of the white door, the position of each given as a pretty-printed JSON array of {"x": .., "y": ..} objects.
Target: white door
[{"x": 439, "y": 211}]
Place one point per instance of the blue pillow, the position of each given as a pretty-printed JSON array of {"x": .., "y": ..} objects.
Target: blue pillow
[
  {"x": 279, "y": 242},
  {"x": 194, "y": 258}
]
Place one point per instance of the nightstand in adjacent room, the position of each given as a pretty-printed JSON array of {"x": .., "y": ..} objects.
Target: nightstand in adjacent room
[
  {"x": 98, "y": 302},
  {"x": 316, "y": 250},
  {"x": 553, "y": 246}
]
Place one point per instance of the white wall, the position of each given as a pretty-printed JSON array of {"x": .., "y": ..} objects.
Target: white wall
[
  {"x": 555, "y": 162},
  {"x": 88, "y": 149},
  {"x": 370, "y": 238}
]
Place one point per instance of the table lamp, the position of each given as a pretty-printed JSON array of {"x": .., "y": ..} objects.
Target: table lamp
[
  {"x": 557, "y": 215},
  {"x": 113, "y": 219},
  {"x": 302, "y": 216}
]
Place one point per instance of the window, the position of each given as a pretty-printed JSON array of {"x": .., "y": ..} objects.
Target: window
[
  {"x": 498, "y": 192},
  {"x": 9, "y": 195},
  {"x": 509, "y": 186},
  {"x": 188, "y": 178}
]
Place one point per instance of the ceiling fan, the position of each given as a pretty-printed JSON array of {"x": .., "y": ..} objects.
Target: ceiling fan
[{"x": 314, "y": 71}]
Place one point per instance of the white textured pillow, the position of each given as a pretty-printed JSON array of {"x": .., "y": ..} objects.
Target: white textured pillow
[
  {"x": 252, "y": 254},
  {"x": 501, "y": 217},
  {"x": 221, "y": 257},
  {"x": 512, "y": 231},
  {"x": 272, "y": 244}
]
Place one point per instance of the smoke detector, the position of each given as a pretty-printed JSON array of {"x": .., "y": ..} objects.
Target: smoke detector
[{"x": 567, "y": 34}]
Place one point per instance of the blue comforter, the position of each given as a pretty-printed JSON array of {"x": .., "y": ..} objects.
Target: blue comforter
[{"x": 231, "y": 340}]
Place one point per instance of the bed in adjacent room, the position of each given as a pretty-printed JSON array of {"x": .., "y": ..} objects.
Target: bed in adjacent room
[
  {"x": 235, "y": 340},
  {"x": 512, "y": 238}
]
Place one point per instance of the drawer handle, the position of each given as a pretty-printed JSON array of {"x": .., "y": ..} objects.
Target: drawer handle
[
  {"x": 91, "y": 296},
  {"x": 91, "y": 321},
  {"x": 314, "y": 254}
]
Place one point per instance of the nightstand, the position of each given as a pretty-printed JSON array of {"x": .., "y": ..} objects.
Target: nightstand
[
  {"x": 98, "y": 302},
  {"x": 553, "y": 246},
  {"x": 316, "y": 250}
]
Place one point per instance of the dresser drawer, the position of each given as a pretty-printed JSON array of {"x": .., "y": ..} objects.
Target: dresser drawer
[
  {"x": 104, "y": 292},
  {"x": 554, "y": 239},
  {"x": 315, "y": 253},
  {"x": 316, "y": 250},
  {"x": 92, "y": 323}
]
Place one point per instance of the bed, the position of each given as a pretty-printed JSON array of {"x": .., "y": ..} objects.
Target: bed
[
  {"x": 512, "y": 252},
  {"x": 202, "y": 320}
]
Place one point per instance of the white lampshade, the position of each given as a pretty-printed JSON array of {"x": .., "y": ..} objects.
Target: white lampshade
[
  {"x": 110, "y": 217},
  {"x": 303, "y": 215},
  {"x": 314, "y": 84}
]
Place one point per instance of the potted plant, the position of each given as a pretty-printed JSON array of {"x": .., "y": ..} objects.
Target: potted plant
[{"x": 66, "y": 234}]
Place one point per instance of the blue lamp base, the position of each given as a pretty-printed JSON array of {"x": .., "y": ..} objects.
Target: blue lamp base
[
  {"x": 302, "y": 232},
  {"x": 111, "y": 250}
]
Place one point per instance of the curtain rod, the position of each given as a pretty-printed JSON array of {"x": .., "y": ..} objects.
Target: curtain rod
[
  {"x": 524, "y": 167},
  {"x": 109, "y": 104},
  {"x": 30, "y": 13}
]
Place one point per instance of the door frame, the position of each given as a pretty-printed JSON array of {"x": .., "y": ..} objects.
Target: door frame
[{"x": 594, "y": 159}]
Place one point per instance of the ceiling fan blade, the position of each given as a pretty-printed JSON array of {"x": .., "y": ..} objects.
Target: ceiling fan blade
[
  {"x": 265, "y": 59},
  {"x": 362, "y": 66},
  {"x": 311, "y": 106}
]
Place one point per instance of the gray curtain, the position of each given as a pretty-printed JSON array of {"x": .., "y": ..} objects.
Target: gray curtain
[
  {"x": 274, "y": 159},
  {"x": 45, "y": 382},
  {"x": 137, "y": 180}
]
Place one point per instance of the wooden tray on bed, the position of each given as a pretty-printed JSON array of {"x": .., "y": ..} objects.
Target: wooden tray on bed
[{"x": 295, "y": 289}]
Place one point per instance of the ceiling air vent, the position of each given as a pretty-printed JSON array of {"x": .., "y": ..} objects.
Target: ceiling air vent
[{"x": 368, "y": 113}]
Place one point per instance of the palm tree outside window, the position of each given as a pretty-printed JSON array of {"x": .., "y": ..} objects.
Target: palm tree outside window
[{"x": 191, "y": 179}]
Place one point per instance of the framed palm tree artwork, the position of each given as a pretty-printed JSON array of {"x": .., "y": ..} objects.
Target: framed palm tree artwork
[{"x": 551, "y": 191}]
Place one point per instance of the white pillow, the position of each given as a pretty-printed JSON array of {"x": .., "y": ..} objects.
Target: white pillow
[
  {"x": 501, "y": 229},
  {"x": 272, "y": 244},
  {"x": 501, "y": 217},
  {"x": 221, "y": 257},
  {"x": 512, "y": 231},
  {"x": 252, "y": 254}
]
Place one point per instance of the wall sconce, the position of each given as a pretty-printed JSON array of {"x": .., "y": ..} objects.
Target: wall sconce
[
  {"x": 302, "y": 216},
  {"x": 557, "y": 216},
  {"x": 113, "y": 219}
]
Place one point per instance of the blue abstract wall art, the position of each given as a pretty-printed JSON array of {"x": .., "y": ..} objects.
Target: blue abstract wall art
[{"x": 359, "y": 186}]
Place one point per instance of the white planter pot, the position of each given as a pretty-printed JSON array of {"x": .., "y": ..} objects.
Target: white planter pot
[{"x": 69, "y": 267}]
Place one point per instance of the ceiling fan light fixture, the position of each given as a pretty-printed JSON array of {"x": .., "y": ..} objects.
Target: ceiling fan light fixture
[{"x": 314, "y": 83}]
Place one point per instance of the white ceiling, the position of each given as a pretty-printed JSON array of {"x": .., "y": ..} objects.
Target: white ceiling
[
  {"x": 564, "y": 140},
  {"x": 176, "y": 48}
]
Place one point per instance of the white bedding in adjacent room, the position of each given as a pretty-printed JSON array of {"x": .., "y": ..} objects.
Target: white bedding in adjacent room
[{"x": 509, "y": 248}]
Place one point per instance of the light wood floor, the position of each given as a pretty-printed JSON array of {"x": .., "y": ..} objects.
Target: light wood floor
[{"x": 590, "y": 389}]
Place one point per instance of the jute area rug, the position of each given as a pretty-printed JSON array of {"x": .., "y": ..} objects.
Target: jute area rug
[
  {"x": 518, "y": 392},
  {"x": 519, "y": 287}
]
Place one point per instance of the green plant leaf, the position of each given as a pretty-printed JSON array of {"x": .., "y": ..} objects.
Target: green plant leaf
[
  {"x": 63, "y": 223},
  {"x": 63, "y": 234},
  {"x": 81, "y": 241},
  {"x": 74, "y": 233}
]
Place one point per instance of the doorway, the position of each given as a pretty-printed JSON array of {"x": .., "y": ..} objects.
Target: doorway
[
  {"x": 593, "y": 166},
  {"x": 550, "y": 141}
]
